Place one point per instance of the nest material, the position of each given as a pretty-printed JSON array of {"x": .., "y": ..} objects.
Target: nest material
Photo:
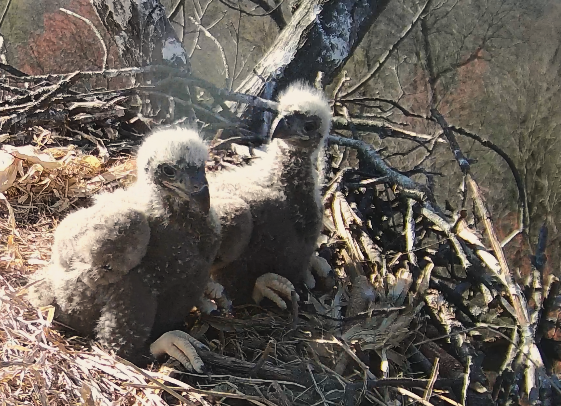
[{"x": 400, "y": 319}]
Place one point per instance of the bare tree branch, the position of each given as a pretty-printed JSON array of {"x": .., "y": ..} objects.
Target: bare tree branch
[
  {"x": 389, "y": 52},
  {"x": 321, "y": 36}
]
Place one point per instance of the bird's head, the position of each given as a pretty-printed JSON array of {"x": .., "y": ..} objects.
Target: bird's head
[
  {"x": 173, "y": 160},
  {"x": 304, "y": 118}
]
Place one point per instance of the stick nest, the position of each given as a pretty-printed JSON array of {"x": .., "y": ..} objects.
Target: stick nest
[{"x": 400, "y": 320}]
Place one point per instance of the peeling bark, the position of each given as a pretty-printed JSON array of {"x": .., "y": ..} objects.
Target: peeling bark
[
  {"x": 321, "y": 36},
  {"x": 142, "y": 32}
]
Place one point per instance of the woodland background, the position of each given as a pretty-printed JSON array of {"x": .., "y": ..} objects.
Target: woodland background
[{"x": 495, "y": 65}]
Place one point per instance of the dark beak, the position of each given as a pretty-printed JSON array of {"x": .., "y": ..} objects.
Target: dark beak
[
  {"x": 281, "y": 129},
  {"x": 201, "y": 194}
]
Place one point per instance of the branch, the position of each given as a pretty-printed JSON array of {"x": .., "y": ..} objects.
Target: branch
[
  {"x": 5, "y": 12},
  {"x": 96, "y": 32},
  {"x": 274, "y": 12},
  {"x": 528, "y": 351},
  {"x": 321, "y": 36},
  {"x": 409, "y": 187},
  {"x": 384, "y": 58},
  {"x": 143, "y": 34},
  {"x": 380, "y": 128},
  {"x": 523, "y": 216}
]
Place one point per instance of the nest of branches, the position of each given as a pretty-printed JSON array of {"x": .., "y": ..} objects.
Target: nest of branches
[{"x": 418, "y": 309}]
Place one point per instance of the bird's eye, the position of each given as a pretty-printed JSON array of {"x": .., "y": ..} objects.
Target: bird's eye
[
  {"x": 310, "y": 126},
  {"x": 168, "y": 171}
]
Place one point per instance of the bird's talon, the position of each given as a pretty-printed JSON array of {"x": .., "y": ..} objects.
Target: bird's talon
[
  {"x": 181, "y": 346},
  {"x": 269, "y": 284},
  {"x": 214, "y": 298},
  {"x": 320, "y": 266}
]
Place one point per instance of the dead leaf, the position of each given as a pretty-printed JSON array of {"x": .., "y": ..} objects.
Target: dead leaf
[
  {"x": 33, "y": 154},
  {"x": 8, "y": 171}
]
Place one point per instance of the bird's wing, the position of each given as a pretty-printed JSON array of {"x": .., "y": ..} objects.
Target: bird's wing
[
  {"x": 236, "y": 227},
  {"x": 103, "y": 242}
]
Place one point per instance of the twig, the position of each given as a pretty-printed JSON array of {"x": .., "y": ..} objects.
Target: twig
[
  {"x": 465, "y": 385},
  {"x": 409, "y": 187},
  {"x": 274, "y": 12},
  {"x": 218, "y": 45},
  {"x": 524, "y": 217},
  {"x": 50, "y": 93},
  {"x": 96, "y": 32},
  {"x": 414, "y": 397},
  {"x": 384, "y": 58},
  {"x": 320, "y": 393},
  {"x": 5, "y": 12},
  {"x": 262, "y": 359},
  {"x": 432, "y": 380}
]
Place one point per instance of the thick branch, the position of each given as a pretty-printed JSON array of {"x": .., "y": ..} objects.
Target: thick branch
[
  {"x": 321, "y": 36},
  {"x": 409, "y": 187},
  {"x": 142, "y": 32}
]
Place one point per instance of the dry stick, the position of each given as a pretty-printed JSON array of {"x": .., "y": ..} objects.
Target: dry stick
[
  {"x": 5, "y": 12},
  {"x": 410, "y": 188},
  {"x": 524, "y": 216},
  {"x": 318, "y": 390},
  {"x": 432, "y": 379},
  {"x": 187, "y": 388},
  {"x": 383, "y": 129},
  {"x": 414, "y": 397},
  {"x": 96, "y": 32},
  {"x": 68, "y": 80},
  {"x": 218, "y": 45},
  {"x": 387, "y": 130},
  {"x": 259, "y": 364},
  {"x": 175, "y": 9},
  {"x": 410, "y": 233},
  {"x": 156, "y": 382},
  {"x": 528, "y": 347},
  {"x": 181, "y": 76},
  {"x": 465, "y": 386}
]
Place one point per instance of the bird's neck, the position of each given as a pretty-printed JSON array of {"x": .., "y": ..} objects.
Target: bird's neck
[
  {"x": 295, "y": 165},
  {"x": 298, "y": 178},
  {"x": 177, "y": 208}
]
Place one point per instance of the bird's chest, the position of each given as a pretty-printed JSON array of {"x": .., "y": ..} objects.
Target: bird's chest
[
  {"x": 303, "y": 202},
  {"x": 176, "y": 253}
]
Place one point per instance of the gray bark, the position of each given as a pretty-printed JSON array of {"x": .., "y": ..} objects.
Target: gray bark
[
  {"x": 142, "y": 32},
  {"x": 321, "y": 36}
]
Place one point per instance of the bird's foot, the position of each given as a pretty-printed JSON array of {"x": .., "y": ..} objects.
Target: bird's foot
[
  {"x": 269, "y": 284},
  {"x": 321, "y": 268},
  {"x": 181, "y": 346},
  {"x": 214, "y": 298}
]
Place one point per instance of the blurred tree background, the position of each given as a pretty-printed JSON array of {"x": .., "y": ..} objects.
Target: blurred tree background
[{"x": 490, "y": 67}]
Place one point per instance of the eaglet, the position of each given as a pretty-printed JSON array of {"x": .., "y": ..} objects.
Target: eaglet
[
  {"x": 128, "y": 269},
  {"x": 270, "y": 211}
]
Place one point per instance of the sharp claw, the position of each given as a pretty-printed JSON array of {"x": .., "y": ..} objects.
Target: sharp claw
[
  {"x": 309, "y": 279},
  {"x": 206, "y": 305},
  {"x": 214, "y": 298},
  {"x": 214, "y": 290},
  {"x": 269, "y": 284},
  {"x": 181, "y": 346},
  {"x": 320, "y": 266}
]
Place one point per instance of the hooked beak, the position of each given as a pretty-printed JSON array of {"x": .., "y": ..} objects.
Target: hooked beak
[
  {"x": 193, "y": 188},
  {"x": 280, "y": 128},
  {"x": 200, "y": 194}
]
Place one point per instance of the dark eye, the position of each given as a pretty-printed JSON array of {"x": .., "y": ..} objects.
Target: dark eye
[
  {"x": 310, "y": 126},
  {"x": 168, "y": 171}
]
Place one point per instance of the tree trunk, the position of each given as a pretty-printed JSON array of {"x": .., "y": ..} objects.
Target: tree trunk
[
  {"x": 321, "y": 36},
  {"x": 142, "y": 32}
]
